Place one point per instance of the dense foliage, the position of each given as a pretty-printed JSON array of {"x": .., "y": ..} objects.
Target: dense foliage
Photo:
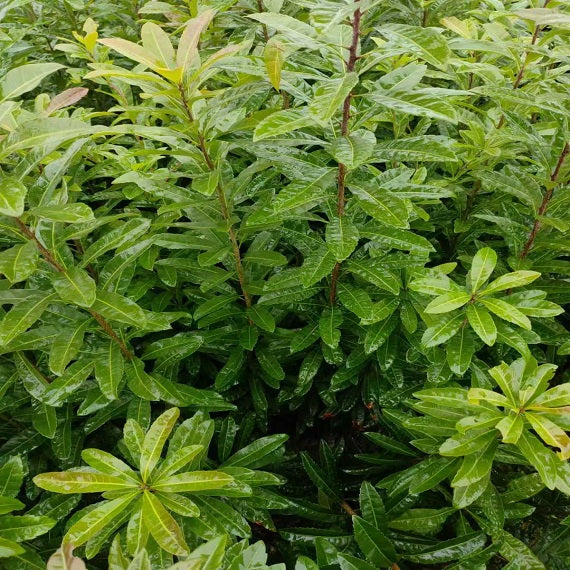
[{"x": 282, "y": 284}]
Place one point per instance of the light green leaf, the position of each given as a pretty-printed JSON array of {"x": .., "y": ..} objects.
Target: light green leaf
[
  {"x": 442, "y": 331},
  {"x": 154, "y": 441},
  {"x": 507, "y": 312},
  {"x": 19, "y": 262},
  {"x": 163, "y": 528},
  {"x": 341, "y": 236},
  {"x": 447, "y": 302},
  {"x": 510, "y": 281},
  {"x": 194, "y": 481},
  {"x": 354, "y": 149},
  {"x": 281, "y": 122},
  {"x": 76, "y": 286},
  {"x": 330, "y": 95},
  {"x": 416, "y": 103},
  {"x": 482, "y": 267},
  {"x": 12, "y": 197},
  {"x": 69, "y": 482},
  {"x": 22, "y": 79},
  {"x": 482, "y": 323}
]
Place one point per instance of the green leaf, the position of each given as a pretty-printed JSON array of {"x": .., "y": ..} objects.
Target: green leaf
[
  {"x": 482, "y": 323},
  {"x": 262, "y": 318},
  {"x": 354, "y": 149},
  {"x": 348, "y": 562},
  {"x": 66, "y": 347},
  {"x": 446, "y": 551},
  {"x": 81, "y": 482},
  {"x": 460, "y": 350},
  {"x": 482, "y": 267},
  {"x": 375, "y": 272},
  {"x": 97, "y": 519},
  {"x": 466, "y": 444},
  {"x": 426, "y": 43},
  {"x": 25, "y": 527},
  {"x": 19, "y": 262},
  {"x": 299, "y": 33},
  {"x": 342, "y": 237},
  {"x": 12, "y": 197},
  {"x": 258, "y": 453},
  {"x": 281, "y": 122},
  {"x": 429, "y": 148},
  {"x": 416, "y": 103},
  {"x": 68, "y": 213},
  {"x": 118, "y": 308},
  {"x": 507, "y": 312},
  {"x": 540, "y": 457},
  {"x": 381, "y": 204},
  {"x": 330, "y": 94},
  {"x": 443, "y": 330},
  {"x": 194, "y": 481},
  {"x": 20, "y": 80},
  {"x": 75, "y": 286},
  {"x": 163, "y": 528},
  {"x": 329, "y": 324},
  {"x": 475, "y": 466},
  {"x": 447, "y": 302},
  {"x": 109, "y": 464},
  {"x": 372, "y": 506},
  {"x": 510, "y": 281},
  {"x": 422, "y": 521},
  {"x": 374, "y": 544},
  {"x": 23, "y": 316},
  {"x": 109, "y": 370},
  {"x": 154, "y": 441}
]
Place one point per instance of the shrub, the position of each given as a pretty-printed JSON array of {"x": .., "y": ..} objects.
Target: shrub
[{"x": 331, "y": 237}]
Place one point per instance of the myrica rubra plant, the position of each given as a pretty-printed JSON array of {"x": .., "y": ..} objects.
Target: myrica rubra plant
[{"x": 283, "y": 284}]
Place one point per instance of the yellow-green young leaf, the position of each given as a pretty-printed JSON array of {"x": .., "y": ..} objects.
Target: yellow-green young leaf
[
  {"x": 482, "y": 323},
  {"x": 107, "y": 463},
  {"x": 12, "y": 197},
  {"x": 511, "y": 428},
  {"x": 274, "y": 57},
  {"x": 187, "y": 51},
  {"x": 22, "y": 79},
  {"x": 507, "y": 312},
  {"x": 19, "y": 262},
  {"x": 137, "y": 531},
  {"x": 68, "y": 213},
  {"x": 156, "y": 41},
  {"x": 193, "y": 482},
  {"x": 132, "y": 51},
  {"x": 96, "y": 520},
  {"x": 447, "y": 302},
  {"x": 507, "y": 380},
  {"x": 179, "y": 504},
  {"x": 550, "y": 433},
  {"x": 163, "y": 528},
  {"x": 69, "y": 482},
  {"x": 155, "y": 439},
  {"x": 341, "y": 236},
  {"x": 482, "y": 267},
  {"x": 557, "y": 396},
  {"x": 494, "y": 398},
  {"x": 177, "y": 461},
  {"x": 330, "y": 95}
]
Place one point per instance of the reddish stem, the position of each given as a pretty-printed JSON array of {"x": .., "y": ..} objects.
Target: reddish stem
[
  {"x": 544, "y": 205},
  {"x": 342, "y": 170}
]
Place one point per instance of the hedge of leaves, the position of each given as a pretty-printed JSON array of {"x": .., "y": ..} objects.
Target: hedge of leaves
[{"x": 282, "y": 284}]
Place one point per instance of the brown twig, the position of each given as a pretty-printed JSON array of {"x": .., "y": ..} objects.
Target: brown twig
[
  {"x": 342, "y": 170},
  {"x": 223, "y": 202},
  {"x": 49, "y": 257},
  {"x": 348, "y": 509},
  {"x": 524, "y": 64},
  {"x": 265, "y": 32},
  {"x": 545, "y": 200}
]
